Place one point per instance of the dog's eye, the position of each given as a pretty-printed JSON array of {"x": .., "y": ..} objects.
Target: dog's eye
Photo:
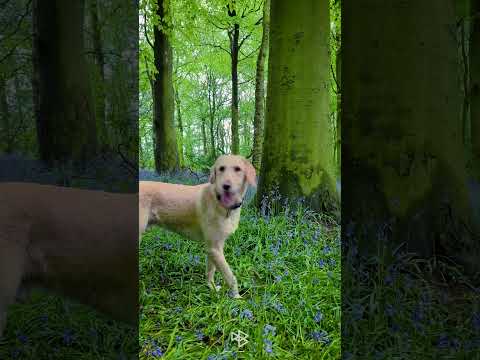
[
  {"x": 221, "y": 168},
  {"x": 237, "y": 168}
]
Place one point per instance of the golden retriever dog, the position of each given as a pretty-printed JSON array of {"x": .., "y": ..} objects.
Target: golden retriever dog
[
  {"x": 79, "y": 243},
  {"x": 208, "y": 212}
]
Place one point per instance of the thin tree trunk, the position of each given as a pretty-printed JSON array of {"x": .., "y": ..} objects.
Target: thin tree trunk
[
  {"x": 234, "y": 50},
  {"x": 258, "y": 119},
  {"x": 475, "y": 88},
  {"x": 166, "y": 149},
  {"x": 181, "y": 158},
  {"x": 66, "y": 126},
  {"x": 204, "y": 137},
  {"x": 297, "y": 155}
]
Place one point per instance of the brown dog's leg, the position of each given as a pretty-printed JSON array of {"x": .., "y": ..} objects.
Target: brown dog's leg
[
  {"x": 211, "y": 268},
  {"x": 11, "y": 271},
  {"x": 219, "y": 260}
]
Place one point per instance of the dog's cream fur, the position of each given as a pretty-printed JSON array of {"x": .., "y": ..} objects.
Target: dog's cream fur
[
  {"x": 205, "y": 212},
  {"x": 81, "y": 243}
]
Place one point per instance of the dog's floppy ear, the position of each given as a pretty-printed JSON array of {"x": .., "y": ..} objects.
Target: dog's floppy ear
[
  {"x": 250, "y": 173},
  {"x": 213, "y": 174}
]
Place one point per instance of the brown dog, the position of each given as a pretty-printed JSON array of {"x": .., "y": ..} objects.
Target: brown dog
[
  {"x": 80, "y": 243},
  {"x": 207, "y": 212}
]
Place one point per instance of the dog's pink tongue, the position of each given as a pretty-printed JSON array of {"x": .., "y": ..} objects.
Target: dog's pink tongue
[{"x": 227, "y": 199}]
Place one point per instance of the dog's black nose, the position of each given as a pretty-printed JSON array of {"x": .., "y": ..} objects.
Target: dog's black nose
[{"x": 226, "y": 187}]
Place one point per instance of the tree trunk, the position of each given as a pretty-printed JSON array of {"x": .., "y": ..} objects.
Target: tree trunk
[
  {"x": 475, "y": 88},
  {"x": 403, "y": 157},
  {"x": 99, "y": 85},
  {"x": 181, "y": 158},
  {"x": 213, "y": 149},
  {"x": 6, "y": 144},
  {"x": 298, "y": 153},
  {"x": 204, "y": 136},
  {"x": 66, "y": 126},
  {"x": 166, "y": 149},
  {"x": 258, "y": 119},
  {"x": 234, "y": 50}
]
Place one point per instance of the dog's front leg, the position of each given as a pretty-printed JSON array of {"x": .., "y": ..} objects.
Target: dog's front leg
[
  {"x": 216, "y": 254},
  {"x": 211, "y": 267},
  {"x": 11, "y": 268}
]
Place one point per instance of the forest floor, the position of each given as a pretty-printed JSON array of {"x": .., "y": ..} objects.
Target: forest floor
[{"x": 288, "y": 268}]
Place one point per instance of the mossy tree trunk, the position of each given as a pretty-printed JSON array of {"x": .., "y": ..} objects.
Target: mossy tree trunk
[
  {"x": 298, "y": 150},
  {"x": 475, "y": 87},
  {"x": 64, "y": 108},
  {"x": 166, "y": 149},
  {"x": 6, "y": 144},
  {"x": 403, "y": 162},
  {"x": 99, "y": 85},
  {"x": 258, "y": 120}
]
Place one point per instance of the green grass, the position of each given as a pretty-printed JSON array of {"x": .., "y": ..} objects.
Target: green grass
[
  {"x": 49, "y": 327},
  {"x": 288, "y": 269},
  {"x": 397, "y": 306}
]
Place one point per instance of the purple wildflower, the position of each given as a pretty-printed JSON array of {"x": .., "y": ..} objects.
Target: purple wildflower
[
  {"x": 68, "y": 337},
  {"x": 321, "y": 337},
  {"x": 476, "y": 321},
  {"x": 269, "y": 329},
  {"x": 318, "y": 317},
  {"x": 268, "y": 346},
  {"x": 246, "y": 314},
  {"x": 157, "y": 352},
  {"x": 200, "y": 336}
]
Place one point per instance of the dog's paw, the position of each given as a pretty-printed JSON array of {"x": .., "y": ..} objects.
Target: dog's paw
[
  {"x": 235, "y": 295},
  {"x": 212, "y": 286}
]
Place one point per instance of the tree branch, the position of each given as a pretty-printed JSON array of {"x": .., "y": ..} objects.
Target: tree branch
[{"x": 145, "y": 30}]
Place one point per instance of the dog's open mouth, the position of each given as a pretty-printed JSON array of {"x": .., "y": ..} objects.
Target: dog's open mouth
[{"x": 228, "y": 201}]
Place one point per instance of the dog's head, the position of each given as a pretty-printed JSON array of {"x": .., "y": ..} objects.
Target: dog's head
[{"x": 230, "y": 176}]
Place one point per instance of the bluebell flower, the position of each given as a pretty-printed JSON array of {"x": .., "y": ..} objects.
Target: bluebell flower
[
  {"x": 279, "y": 307},
  {"x": 389, "y": 310},
  {"x": 278, "y": 278},
  {"x": 22, "y": 338},
  {"x": 327, "y": 250},
  {"x": 357, "y": 311},
  {"x": 268, "y": 346},
  {"x": 178, "y": 309},
  {"x": 318, "y": 317},
  {"x": 476, "y": 321},
  {"x": 443, "y": 342},
  {"x": 15, "y": 353},
  {"x": 200, "y": 336},
  {"x": 246, "y": 314},
  {"x": 321, "y": 337},
  {"x": 178, "y": 338},
  {"x": 269, "y": 329},
  {"x": 157, "y": 352},
  {"x": 68, "y": 337},
  {"x": 321, "y": 263}
]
